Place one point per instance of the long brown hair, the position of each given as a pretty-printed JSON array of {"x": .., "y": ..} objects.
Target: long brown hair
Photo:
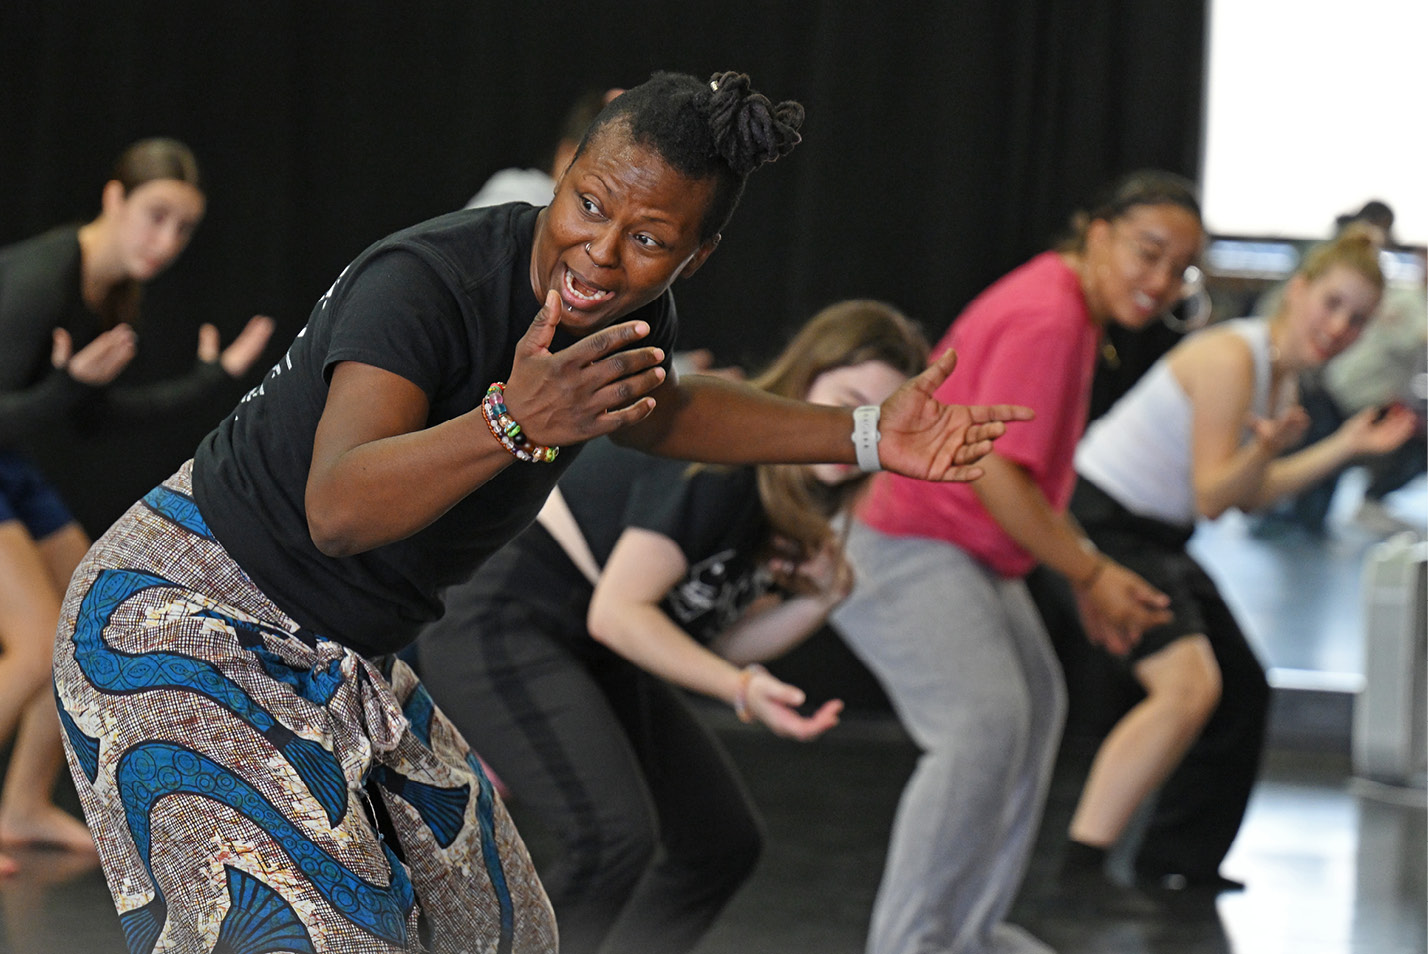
[{"x": 847, "y": 333}]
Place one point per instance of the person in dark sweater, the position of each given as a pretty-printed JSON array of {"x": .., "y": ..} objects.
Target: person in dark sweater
[{"x": 70, "y": 300}]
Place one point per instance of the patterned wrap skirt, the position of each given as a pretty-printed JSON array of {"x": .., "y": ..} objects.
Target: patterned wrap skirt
[{"x": 254, "y": 787}]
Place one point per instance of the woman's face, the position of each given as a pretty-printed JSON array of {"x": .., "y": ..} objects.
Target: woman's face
[
  {"x": 854, "y": 385},
  {"x": 1324, "y": 316},
  {"x": 621, "y": 227},
  {"x": 153, "y": 224},
  {"x": 1135, "y": 265}
]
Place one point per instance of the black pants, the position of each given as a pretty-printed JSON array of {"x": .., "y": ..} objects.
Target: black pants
[
  {"x": 654, "y": 830},
  {"x": 1201, "y": 805}
]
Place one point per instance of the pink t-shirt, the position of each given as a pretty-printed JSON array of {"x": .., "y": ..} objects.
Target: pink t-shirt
[{"x": 1028, "y": 339}]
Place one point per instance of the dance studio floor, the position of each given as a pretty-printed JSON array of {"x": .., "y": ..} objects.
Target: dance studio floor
[{"x": 1333, "y": 865}]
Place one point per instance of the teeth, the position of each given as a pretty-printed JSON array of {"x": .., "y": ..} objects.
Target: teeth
[{"x": 599, "y": 295}]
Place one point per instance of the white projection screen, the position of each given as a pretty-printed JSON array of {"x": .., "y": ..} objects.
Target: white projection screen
[{"x": 1312, "y": 108}]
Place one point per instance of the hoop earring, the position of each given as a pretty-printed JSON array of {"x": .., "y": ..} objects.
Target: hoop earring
[{"x": 1196, "y": 307}]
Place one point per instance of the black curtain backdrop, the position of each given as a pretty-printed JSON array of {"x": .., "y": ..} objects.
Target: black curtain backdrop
[{"x": 945, "y": 143}]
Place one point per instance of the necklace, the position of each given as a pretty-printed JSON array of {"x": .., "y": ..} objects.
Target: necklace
[{"x": 1110, "y": 355}]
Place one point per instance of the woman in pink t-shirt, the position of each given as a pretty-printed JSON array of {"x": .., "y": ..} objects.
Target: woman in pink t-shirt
[{"x": 941, "y": 614}]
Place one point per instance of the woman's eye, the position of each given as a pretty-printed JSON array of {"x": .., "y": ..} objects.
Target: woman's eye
[
  {"x": 648, "y": 241},
  {"x": 588, "y": 204}
]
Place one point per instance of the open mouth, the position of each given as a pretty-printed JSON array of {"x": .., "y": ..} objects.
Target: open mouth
[{"x": 579, "y": 292}]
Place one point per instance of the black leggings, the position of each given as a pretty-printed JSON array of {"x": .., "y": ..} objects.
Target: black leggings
[{"x": 655, "y": 829}]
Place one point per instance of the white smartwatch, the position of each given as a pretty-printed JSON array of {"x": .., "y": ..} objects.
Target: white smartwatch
[{"x": 866, "y": 437}]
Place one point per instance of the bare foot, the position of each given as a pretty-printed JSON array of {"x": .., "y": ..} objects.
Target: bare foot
[
  {"x": 7, "y": 866},
  {"x": 49, "y": 826}
]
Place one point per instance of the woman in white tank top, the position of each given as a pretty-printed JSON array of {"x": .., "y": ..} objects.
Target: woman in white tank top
[{"x": 1201, "y": 433}]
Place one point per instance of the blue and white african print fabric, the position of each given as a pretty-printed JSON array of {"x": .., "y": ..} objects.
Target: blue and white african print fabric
[{"x": 235, "y": 770}]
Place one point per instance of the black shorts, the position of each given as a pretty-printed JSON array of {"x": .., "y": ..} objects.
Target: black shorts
[{"x": 1155, "y": 550}]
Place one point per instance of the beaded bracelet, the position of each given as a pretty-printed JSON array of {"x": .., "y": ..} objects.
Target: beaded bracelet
[{"x": 505, "y": 429}]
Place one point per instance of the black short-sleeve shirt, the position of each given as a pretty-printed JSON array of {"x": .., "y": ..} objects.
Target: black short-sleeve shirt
[
  {"x": 442, "y": 304},
  {"x": 713, "y": 514}
]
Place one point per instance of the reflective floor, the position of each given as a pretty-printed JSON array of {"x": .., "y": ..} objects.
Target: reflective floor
[{"x": 1333, "y": 865}]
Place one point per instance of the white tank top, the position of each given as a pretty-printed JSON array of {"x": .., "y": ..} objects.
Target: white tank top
[{"x": 1138, "y": 452}]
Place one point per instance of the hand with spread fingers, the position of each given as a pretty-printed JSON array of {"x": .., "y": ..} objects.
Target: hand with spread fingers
[
  {"x": 586, "y": 390},
  {"x": 242, "y": 352},
  {"x": 98, "y": 362},
  {"x": 927, "y": 439}
]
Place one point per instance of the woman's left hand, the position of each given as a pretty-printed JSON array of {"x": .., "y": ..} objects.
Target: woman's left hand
[
  {"x": 1379, "y": 430},
  {"x": 775, "y": 703},
  {"x": 929, "y": 440},
  {"x": 239, "y": 356}
]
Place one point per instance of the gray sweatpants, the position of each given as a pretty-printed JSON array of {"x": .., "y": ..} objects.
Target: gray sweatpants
[{"x": 964, "y": 657}]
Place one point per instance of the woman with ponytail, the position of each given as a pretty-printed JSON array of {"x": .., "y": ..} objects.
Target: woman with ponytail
[
  {"x": 942, "y": 615},
  {"x": 1202, "y": 433},
  {"x": 70, "y": 309},
  {"x": 259, "y": 770}
]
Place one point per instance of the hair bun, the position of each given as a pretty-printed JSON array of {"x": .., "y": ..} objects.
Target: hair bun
[
  {"x": 1360, "y": 232},
  {"x": 748, "y": 129}
]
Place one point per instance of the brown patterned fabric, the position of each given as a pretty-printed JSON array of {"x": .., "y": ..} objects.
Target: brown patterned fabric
[{"x": 252, "y": 786}]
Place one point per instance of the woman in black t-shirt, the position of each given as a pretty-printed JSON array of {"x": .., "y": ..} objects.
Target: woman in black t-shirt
[
  {"x": 241, "y": 739},
  {"x": 552, "y": 659}
]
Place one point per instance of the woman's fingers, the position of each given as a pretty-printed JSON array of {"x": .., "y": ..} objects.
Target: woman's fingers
[
  {"x": 539, "y": 335},
  {"x": 100, "y": 361},
  {"x": 791, "y": 724},
  {"x": 61, "y": 348},
  {"x": 239, "y": 356},
  {"x": 592, "y": 387}
]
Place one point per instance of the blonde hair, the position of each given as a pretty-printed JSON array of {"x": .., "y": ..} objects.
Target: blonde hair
[
  {"x": 842, "y": 335},
  {"x": 1355, "y": 247}
]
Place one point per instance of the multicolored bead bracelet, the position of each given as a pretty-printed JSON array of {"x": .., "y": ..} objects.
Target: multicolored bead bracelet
[{"x": 505, "y": 429}]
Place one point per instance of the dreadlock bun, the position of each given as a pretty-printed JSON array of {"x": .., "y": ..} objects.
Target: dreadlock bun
[
  {"x": 748, "y": 129},
  {"x": 719, "y": 129}
]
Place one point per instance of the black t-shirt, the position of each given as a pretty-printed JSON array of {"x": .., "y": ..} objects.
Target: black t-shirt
[
  {"x": 712, "y": 513},
  {"x": 442, "y": 304}
]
